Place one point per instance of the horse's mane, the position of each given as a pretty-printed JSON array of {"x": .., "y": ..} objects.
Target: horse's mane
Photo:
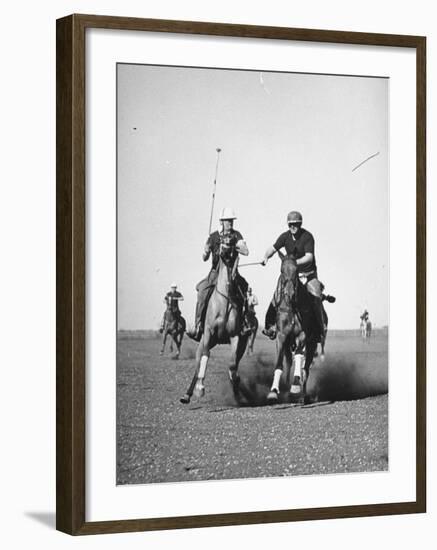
[{"x": 286, "y": 260}]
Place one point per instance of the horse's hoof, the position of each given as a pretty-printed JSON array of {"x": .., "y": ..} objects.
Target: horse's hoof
[
  {"x": 296, "y": 387},
  {"x": 306, "y": 400},
  {"x": 199, "y": 391},
  {"x": 273, "y": 397},
  {"x": 185, "y": 399},
  {"x": 161, "y": 353}
]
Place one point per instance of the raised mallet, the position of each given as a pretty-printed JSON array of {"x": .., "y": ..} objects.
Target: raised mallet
[{"x": 214, "y": 188}]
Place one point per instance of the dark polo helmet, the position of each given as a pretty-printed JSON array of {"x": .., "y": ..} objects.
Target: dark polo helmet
[{"x": 294, "y": 217}]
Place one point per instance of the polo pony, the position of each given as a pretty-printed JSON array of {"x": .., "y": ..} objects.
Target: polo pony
[
  {"x": 297, "y": 332},
  {"x": 174, "y": 326},
  {"x": 223, "y": 322}
]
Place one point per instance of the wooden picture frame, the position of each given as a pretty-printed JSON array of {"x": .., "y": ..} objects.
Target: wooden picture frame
[{"x": 71, "y": 254}]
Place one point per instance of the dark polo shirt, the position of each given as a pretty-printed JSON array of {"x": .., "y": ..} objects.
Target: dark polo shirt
[
  {"x": 214, "y": 244},
  {"x": 298, "y": 247},
  {"x": 171, "y": 298}
]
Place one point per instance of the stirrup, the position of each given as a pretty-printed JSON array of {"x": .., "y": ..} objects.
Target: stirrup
[{"x": 269, "y": 332}]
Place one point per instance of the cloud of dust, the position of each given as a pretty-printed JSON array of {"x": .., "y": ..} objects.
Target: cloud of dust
[
  {"x": 335, "y": 379},
  {"x": 256, "y": 379},
  {"x": 341, "y": 379}
]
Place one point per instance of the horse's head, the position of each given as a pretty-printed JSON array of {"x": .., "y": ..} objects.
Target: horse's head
[
  {"x": 288, "y": 278},
  {"x": 228, "y": 250},
  {"x": 169, "y": 315}
]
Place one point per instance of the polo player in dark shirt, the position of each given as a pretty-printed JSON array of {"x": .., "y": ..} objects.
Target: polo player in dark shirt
[
  {"x": 172, "y": 299},
  {"x": 299, "y": 243},
  {"x": 228, "y": 235}
]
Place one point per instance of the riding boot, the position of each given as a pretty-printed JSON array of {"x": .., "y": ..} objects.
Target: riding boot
[
  {"x": 245, "y": 329},
  {"x": 318, "y": 312},
  {"x": 270, "y": 321},
  {"x": 196, "y": 332}
]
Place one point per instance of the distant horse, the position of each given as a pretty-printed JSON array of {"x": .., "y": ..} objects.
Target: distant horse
[
  {"x": 297, "y": 332},
  {"x": 174, "y": 325},
  {"x": 366, "y": 329},
  {"x": 223, "y": 322},
  {"x": 253, "y": 324}
]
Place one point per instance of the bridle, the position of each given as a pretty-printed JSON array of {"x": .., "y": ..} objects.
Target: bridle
[
  {"x": 288, "y": 291},
  {"x": 228, "y": 252}
]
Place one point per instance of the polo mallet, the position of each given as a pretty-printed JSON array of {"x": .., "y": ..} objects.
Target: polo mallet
[
  {"x": 252, "y": 263},
  {"x": 214, "y": 188}
]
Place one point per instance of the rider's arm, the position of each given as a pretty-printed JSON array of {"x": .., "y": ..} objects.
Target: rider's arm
[
  {"x": 306, "y": 259},
  {"x": 241, "y": 246},
  {"x": 268, "y": 254}
]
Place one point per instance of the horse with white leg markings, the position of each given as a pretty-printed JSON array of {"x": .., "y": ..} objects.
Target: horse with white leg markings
[
  {"x": 223, "y": 324},
  {"x": 174, "y": 325},
  {"x": 296, "y": 331}
]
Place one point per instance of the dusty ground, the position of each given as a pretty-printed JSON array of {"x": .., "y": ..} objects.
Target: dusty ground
[{"x": 161, "y": 440}]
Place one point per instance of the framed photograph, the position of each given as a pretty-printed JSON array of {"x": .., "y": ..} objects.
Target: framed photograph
[{"x": 241, "y": 319}]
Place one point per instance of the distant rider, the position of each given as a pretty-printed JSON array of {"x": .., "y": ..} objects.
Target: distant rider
[
  {"x": 172, "y": 299},
  {"x": 252, "y": 301},
  {"x": 364, "y": 317}
]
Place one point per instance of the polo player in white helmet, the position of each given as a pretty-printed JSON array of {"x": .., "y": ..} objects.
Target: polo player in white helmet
[
  {"x": 299, "y": 243},
  {"x": 172, "y": 299},
  {"x": 227, "y": 235}
]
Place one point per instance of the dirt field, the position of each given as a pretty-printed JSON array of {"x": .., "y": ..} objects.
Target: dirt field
[{"x": 345, "y": 429}]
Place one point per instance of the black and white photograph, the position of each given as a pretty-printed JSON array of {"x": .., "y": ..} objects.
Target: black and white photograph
[{"x": 252, "y": 274}]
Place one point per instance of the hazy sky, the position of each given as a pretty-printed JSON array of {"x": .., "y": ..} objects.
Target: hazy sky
[{"x": 289, "y": 142}]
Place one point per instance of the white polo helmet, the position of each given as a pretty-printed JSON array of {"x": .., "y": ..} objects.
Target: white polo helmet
[
  {"x": 173, "y": 285},
  {"x": 227, "y": 213}
]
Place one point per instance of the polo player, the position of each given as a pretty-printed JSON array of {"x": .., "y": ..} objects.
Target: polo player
[
  {"x": 364, "y": 316},
  {"x": 172, "y": 299},
  {"x": 297, "y": 242},
  {"x": 227, "y": 237},
  {"x": 252, "y": 300}
]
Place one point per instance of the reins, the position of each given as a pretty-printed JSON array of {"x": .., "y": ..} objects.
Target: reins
[{"x": 231, "y": 277}]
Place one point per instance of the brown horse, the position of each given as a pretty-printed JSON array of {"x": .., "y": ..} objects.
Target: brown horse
[
  {"x": 223, "y": 322},
  {"x": 296, "y": 332},
  {"x": 253, "y": 325},
  {"x": 174, "y": 325}
]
